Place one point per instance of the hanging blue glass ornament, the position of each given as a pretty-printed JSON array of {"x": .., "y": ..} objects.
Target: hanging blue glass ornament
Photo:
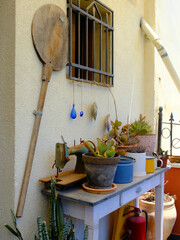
[
  {"x": 81, "y": 113},
  {"x": 73, "y": 112}
]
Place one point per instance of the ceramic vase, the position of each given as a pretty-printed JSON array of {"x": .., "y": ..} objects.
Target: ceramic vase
[{"x": 169, "y": 217}]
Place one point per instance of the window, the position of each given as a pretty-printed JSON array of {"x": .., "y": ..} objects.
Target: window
[{"x": 90, "y": 42}]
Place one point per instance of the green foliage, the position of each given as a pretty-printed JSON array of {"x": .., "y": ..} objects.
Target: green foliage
[
  {"x": 104, "y": 149},
  {"x": 140, "y": 127},
  {"x": 115, "y": 127},
  {"x": 58, "y": 228},
  {"x": 86, "y": 233},
  {"x": 40, "y": 228},
  {"x": 15, "y": 231},
  {"x": 163, "y": 153}
]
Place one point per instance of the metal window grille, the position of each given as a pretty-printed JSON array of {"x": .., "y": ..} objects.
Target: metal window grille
[{"x": 90, "y": 42}]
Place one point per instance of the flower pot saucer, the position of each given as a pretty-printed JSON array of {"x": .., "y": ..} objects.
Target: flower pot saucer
[{"x": 99, "y": 190}]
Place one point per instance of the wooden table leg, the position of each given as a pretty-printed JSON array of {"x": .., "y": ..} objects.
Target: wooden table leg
[
  {"x": 159, "y": 208},
  {"x": 92, "y": 221}
]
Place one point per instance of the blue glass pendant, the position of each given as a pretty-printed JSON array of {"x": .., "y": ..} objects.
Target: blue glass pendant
[
  {"x": 81, "y": 113},
  {"x": 73, "y": 112}
]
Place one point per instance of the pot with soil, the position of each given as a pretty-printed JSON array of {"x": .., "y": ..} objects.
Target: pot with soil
[
  {"x": 100, "y": 171},
  {"x": 100, "y": 164},
  {"x": 147, "y": 202},
  {"x": 141, "y": 129}
]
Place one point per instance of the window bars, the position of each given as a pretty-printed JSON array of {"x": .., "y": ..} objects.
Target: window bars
[{"x": 91, "y": 42}]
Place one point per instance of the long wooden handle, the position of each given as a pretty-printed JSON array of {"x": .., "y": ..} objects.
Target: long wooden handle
[{"x": 47, "y": 70}]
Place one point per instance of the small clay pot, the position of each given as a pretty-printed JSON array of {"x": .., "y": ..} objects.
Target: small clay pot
[
  {"x": 100, "y": 171},
  {"x": 164, "y": 159}
]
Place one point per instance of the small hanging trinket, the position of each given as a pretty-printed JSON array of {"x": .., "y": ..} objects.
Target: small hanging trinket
[
  {"x": 73, "y": 111},
  {"x": 108, "y": 122},
  {"x": 94, "y": 110},
  {"x": 81, "y": 113}
]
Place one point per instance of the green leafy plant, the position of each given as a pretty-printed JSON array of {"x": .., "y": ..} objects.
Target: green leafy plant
[
  {"x": 59, "y": 229},
  {"x": 163, "y": 153},
  {"x": 15, "y": 231},
  {"x": 121, "y": 137},
  {"x": 103, "y": 149},
  {"x": 140, "y": 127},
  {"x": 114, "y": 132}
]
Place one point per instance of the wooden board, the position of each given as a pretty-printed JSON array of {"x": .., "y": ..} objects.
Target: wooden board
[
  {"x": 50, "y": 35},
  {"x": 66, "y": 179}
]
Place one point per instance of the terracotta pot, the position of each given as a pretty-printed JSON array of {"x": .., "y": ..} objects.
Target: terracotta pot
[
  {"x": 126, "y": 148},
  {"x": 164, "y": 159},
  {"x": 169, "y": 218},
  {"x": 148, "y": 142},
  {"x": 100, "y": 171}
]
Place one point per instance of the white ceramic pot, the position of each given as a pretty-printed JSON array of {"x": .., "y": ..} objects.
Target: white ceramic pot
[
  {"x": 169, "y": 218},
  {"x": 139, "y": 169}
]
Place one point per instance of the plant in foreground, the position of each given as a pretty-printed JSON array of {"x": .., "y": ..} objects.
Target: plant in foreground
[{"x": 59, "y": 229}]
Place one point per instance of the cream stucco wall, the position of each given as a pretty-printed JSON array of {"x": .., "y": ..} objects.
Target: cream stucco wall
[
  {"x": 167, "y": 22},
  {"x": 7, "y": 112},
  {"x": 20, "y": 86}
]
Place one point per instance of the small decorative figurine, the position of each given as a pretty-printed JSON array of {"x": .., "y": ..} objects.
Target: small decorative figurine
[{"x": 94, "y": 110}]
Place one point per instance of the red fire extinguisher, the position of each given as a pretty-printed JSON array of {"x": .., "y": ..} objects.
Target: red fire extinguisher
[{"x": 136, "y": 225}]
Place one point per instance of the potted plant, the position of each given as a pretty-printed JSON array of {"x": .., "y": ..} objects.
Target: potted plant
[
  {"x": 100, "y": 164},
  {"x": 164, "y": 157},
  {"x": 139, "y": 154},
  {"x": 123, "y": 140},
  {"x": 142, "y": 131},
  {"x": 147, "y": 203}
]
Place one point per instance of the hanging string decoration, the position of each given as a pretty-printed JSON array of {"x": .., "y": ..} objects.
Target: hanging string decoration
[{"x": 73, "y": 114}]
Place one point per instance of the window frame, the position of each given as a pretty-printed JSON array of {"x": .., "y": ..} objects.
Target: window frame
[{"x": 109, "y": 72}]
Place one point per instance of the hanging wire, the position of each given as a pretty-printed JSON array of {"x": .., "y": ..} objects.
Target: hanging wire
[
  {"x": 114, "y": 103},
  {"x": 81, "y": 113},
  {"x": 73, "y": 91}
]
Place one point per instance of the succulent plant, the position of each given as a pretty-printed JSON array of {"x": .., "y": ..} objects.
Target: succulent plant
[
  {"x": 114, "y": 131},
  {"x": 137, "y": 150},
  {"x": 163, "y": 153},
  {"x": 140, "y": 127},
  {"x": 103, "y": 149},
  {"x": 120, "y": 136}
]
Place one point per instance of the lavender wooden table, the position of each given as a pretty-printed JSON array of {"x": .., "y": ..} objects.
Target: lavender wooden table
[{"x": 92, "y": 207}]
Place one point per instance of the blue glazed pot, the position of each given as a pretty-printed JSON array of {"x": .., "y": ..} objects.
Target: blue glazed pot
[{"x": 124, "y": 171}]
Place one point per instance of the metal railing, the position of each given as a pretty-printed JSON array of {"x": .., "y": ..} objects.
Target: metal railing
[{"x": 169, "y": 129}]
